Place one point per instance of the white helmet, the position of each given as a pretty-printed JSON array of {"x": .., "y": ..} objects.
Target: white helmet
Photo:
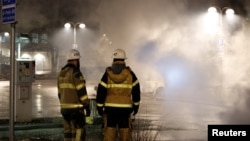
[
  {"x": 119, "y": 54},
  {"x": 73, "y": 54}
]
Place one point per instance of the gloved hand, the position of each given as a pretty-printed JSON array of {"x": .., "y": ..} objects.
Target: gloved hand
[
  {"x": 100, "y": 110},
  {"x": 135, "y": 109},
  {"x": 89, "y": 120}
]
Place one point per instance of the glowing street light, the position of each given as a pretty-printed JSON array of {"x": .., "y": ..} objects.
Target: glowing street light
[
  {"x": 219, "y": 12},
  {"x": 75, "y": 25}
]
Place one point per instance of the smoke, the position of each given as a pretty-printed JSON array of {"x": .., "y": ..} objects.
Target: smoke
[
  {"x": 166, "y": 41},
  {"x": 236, "y": 73},
  {"x": 30, "y": 15}
]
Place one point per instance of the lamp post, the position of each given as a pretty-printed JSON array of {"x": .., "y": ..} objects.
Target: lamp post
[
  {"x": 220, "y": 42},
  {"x": 75, "y": 25},
  {"x": 217, "y": 11}
]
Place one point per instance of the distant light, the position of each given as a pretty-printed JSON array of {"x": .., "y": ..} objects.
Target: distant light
[
  {"x": 67, "y": 25},
  {"x": 6, "y": 34},
  {"x": 175, "y": 77},
  {"x": 229, "y": 11},
  {"x": 211, "y": 21},
  {"x": 212, "y": 10},
  {"x": 39, "y": 56},
  {"x": 25, "y": 55},
  {"x": 82, "y": 25}
]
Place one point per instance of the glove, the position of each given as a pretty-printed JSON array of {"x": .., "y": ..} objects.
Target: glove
[
  {"x": 100, "y": 111},
  {"x": 135, "y": 109},
  {"x": 89, "y": 120}
]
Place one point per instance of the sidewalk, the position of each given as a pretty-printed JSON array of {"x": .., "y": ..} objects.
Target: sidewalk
[{"x": 45, "y": 129}]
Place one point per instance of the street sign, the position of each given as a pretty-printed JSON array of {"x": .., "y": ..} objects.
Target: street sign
[
  {"x": 8, "y": 11},
  {"x": 8, "y": 2},
  {"x": 9, "y": 15}
]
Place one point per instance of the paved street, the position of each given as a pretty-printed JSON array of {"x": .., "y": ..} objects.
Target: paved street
[
  {"x": 44, "y": 99},
  {"x": 166, "y": 118}
]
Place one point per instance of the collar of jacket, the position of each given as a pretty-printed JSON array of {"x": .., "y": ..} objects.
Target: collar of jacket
[
  {"x": 120, "y": 77},
  {"x": 69, "y": 65},
  {"x": 117, "y": 66}
]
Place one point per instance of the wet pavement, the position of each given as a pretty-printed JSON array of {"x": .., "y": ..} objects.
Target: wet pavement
[
  {"x": 46, "y": 129},
  {"x": 46, "y": 123},
  {"x": 160, "y": 118}
]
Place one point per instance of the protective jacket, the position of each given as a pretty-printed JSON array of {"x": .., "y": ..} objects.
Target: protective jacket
[
  {"x": 119, "y": 90},
  {"x": 71, "y": 89}
]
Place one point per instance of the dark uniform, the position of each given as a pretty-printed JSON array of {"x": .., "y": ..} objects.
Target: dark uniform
[
  {"x": 73, "y": 98},
  {"x": 118, "y": 95}
]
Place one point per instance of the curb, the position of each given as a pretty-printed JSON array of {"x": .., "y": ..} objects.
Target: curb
[
  {"x": 41, "y": 123},
  {"x": 30, "y": 127}
]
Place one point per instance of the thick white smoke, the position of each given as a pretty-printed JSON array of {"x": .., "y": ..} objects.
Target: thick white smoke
[
  {"x": 167, "y": 41},
  {"x": 164, "y": 39}
]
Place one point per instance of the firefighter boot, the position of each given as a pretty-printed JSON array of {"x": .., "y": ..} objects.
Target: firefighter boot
[
  {"x": 110, "y": 134},
  {"x": 125, "y": 134}
]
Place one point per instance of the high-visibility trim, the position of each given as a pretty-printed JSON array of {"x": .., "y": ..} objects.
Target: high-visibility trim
[
  {"x": 79, "y": 86},
  {"x": 135, "y": 83},
  {"x": 67, "y": 86},
  {"x": 119, "y": 86},
  {"x": 136, "y": 103},
  {"x": 103, "y": 84},
  {"x": 85, "y": 97},
  {"x": 118, "y": 105},
  {"x": 71, "y": 106},
  {"x": 116, "y": 85},
  {"x": 99, "y": 105}
]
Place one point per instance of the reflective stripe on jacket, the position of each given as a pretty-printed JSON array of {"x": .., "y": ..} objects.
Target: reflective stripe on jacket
[
  {"x": 71, "y": 88},
  {"x": 119, "y": 85},
  {"x": 119, "y": 95},
  {"x": 119, "y": 90}
]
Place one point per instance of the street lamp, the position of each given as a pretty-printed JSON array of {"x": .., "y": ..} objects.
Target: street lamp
[
  {"x": 75, "y": 25},
  {"x": 217, "y": 10},
  {"x": 220, "y": 44}
]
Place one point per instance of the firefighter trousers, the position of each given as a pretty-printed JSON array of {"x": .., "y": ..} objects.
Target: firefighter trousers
[
  {"x": 117, "y": 126},
  {"x": 73, "y": 132}
]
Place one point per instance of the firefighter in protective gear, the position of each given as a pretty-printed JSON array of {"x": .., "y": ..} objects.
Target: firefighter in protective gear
[
  {"x": 118, "y": 96},
  {"x": 73, "y": 98}
]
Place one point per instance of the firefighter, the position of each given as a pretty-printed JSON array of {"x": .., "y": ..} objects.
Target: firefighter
[
  {"x": 73, "y": 98},
  {"x": 118, "y": 96}
]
